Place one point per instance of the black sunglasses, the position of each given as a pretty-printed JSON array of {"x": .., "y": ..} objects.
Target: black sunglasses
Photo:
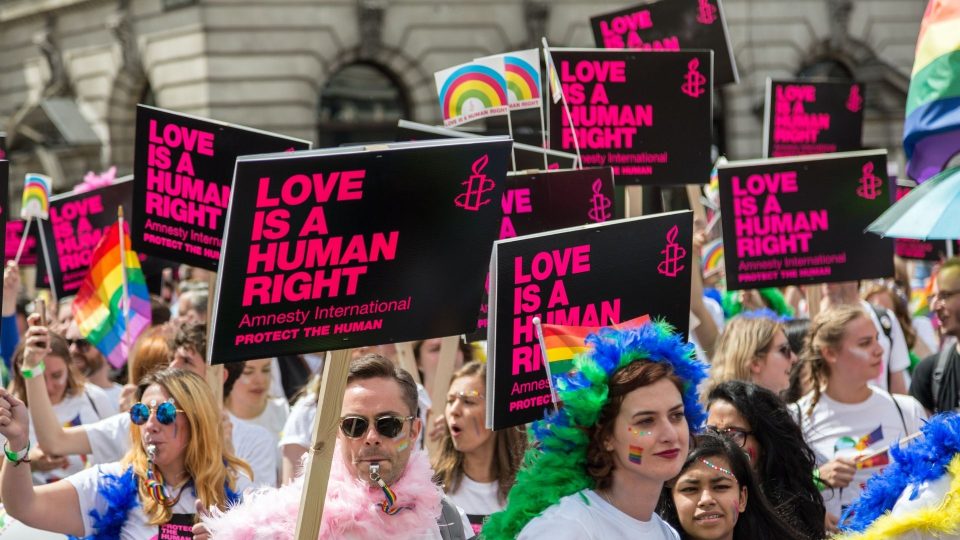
[
  {"x": 81, "y": 343},
  {"x": 388, "y": 425},
  {"x": 737, "y": 435}
]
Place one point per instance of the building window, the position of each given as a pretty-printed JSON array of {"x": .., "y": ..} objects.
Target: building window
[{"x": 360, "y": 103}]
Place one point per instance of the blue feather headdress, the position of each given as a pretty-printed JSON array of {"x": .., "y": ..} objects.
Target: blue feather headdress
[{"x": 555, "y": 465}]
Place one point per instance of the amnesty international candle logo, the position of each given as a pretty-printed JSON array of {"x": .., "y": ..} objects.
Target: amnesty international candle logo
[
  {"x": 854, "y": 101},
  {"x": 706, "y": 12},
  {"x": 599, "y": 214},
  {"x": 870, "y": 184},
  {"x": 476, "y": 186},
  {"x": 673, "y": 254},
  {"x": 694, "y": 80}
]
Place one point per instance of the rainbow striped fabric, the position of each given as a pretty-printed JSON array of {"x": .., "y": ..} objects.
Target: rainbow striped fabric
[
  {"x": 563, "y": 343},
  {"x": 36, "y": 197},
  {"x": 97, "y": 307},
  {"x": 931, "y": 131}
]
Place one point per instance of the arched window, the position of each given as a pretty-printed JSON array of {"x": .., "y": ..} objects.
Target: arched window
[{"x": 360, "y": 103}]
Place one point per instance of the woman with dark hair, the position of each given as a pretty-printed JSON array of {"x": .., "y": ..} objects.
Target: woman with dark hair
[
  {"x": 597, "y": 465},
  {"x": 716, "y": 497},
  {"x": 475, "y": 465},
  {"x": 759, "y": 422},
  {"x": 800, "y": 380}
]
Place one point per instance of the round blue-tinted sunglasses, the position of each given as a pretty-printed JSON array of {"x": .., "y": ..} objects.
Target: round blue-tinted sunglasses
[{"x": 166, "y": 412}]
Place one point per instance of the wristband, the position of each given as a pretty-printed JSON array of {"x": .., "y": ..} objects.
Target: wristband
[
  {"x": 36, "y": 371},
  {"x": 817, "y": 481},
  {"x": 17, "y": 457}
]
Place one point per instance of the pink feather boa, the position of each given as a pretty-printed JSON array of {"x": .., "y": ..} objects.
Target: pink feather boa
[{"x": 352, "y": 509}]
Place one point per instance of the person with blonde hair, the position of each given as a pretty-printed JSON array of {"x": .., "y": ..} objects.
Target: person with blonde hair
[
  {"x": 475, "y": 465},
  {"x": 754, "y": 348},
  {"x": 845, "y": 419},
  {"x": 176, "y": 458}
]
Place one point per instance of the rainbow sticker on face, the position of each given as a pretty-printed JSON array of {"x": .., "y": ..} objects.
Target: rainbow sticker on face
[
  {"x": 639, "y": 433},
  {"x": 636, "y": 454},
  {"x": 403, "y": 446}
]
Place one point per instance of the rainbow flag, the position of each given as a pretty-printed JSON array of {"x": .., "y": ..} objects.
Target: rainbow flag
[
  {"x": 97, "y": 307},
  {"x": 522, "y": 74},
  {"x": 556, "y": 89},
  {"x": 563, "y": 343},
  {"x": 878, "y": 460},
  {"x": 473, "y": 90},
  {"x": 711, "y": 257},
  {"x": 931, "y": 131},
  {"x": 36, "y": 197}
]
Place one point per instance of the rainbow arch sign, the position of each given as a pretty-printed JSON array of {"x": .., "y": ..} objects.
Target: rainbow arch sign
[
  {"x": 471, "y": 91},
  {"x": 522, "y": 73}
]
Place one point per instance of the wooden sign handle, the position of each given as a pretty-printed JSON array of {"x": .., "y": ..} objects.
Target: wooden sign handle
[
  {"x": 214, "y": 372},
  {"x": 441, "y": 384},
  {"x": 408, "y": 361},
  {"x": 335, "y": 371}
]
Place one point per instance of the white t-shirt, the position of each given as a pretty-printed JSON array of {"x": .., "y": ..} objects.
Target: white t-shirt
[
  {"x": 586, "y": 515},
  {"x": 273, "y": 416},
  {"x": 298, "y": 429},
  {"x": 895, "y": 354},
  {"x": 837, "y": 430},
  {"x": 136, "y": 527},
  {"x": 114, "y": 394},
  {"x": 477, "y": 499},
  {"x": 110, "y": 441},
  {"x": 72, "y": 411}
]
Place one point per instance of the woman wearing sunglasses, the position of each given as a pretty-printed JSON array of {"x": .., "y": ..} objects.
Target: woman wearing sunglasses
[
  {"x": 753, "y": 347},
  {"x": 42, "y": 360},
  {"x": 177, "y": 458},
  {"x": 757, "y": 421}
]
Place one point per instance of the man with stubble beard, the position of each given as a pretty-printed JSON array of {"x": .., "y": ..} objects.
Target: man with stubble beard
[
  {"x": 91, "y": 363},
  {"x": 936, "y": 379},
  {"x": 380, "y": 483}
]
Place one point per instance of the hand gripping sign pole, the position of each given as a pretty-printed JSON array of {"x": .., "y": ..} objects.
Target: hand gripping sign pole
[{"x": 335, "y": 371}]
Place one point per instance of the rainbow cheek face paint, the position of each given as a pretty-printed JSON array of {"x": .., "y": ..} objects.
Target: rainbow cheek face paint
[
  {"x": 403, "y": 446},
  {"x": 636, "y": 454}
]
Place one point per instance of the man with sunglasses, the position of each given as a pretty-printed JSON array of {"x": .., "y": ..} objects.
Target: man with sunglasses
[
  {"x": 91, "y": 363},
  {"x": 936, "y": 379},
  {"x": 380, "y": 479}
]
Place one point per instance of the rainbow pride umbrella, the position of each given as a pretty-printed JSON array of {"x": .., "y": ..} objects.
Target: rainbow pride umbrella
[
  {"x": 931, "y": 211},
  {"x": 36, "y": 197}
]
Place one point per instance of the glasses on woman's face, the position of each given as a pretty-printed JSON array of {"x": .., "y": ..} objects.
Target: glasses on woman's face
[
  {"x": 166, "y": 412},
  {"x": 388, "y": 425},
  {"x": 735, "y": 434}
]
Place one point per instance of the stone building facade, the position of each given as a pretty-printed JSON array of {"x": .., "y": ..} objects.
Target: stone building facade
[{"x": 72, "y": 71}]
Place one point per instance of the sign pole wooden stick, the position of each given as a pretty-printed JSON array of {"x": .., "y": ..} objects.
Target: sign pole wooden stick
[
  {"x": 812, "y": 293},
  {"x": 335, "y": 371},
  {"x": 693, "y": 193},
  {"x": 407, "y": 360},
  {"x": 214, "y": 371},
  {"x": 634, "y": 201},
  {"x": 441, "y": 383}
]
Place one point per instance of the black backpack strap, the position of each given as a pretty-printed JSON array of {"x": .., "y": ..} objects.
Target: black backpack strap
[
  {"x": 903, "y": 421},
  {"x": 92, "y": 404},
  {"x": 938, "y": 372},
  {"x": 886, "y": 323},
  {"x": 450, "y": 523}
]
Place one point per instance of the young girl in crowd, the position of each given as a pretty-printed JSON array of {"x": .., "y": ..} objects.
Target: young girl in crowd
[
  {"x": 848, "y": 422},
  {"x": 176, "y": 458},
  {"x": 476, "y": 466},
  {"x": 716, "y": 497},
  {"x": 757, "y": 421},
  {"x": 73, "y": 402},
  {"x": 250, "y": 398},
  {"x": 753, "y": 347},
  {"x": 597, "y": 465}
]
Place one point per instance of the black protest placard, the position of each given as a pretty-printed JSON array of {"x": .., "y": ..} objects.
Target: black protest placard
[
  {"x": 350, "y": 247},
  {"x": 807, "y": 117},
  {"x": 527, "y": 157},
  {"x": 670, "y": 25},
  {"x": 77, "y": 221},
  {"x": 646, "y": 114},
  {"x": 14, "y": 232},
  {"x": 593, "y": 275},
  {"x": 801, "y": 220},
  {"x": 184, "y": 167},
  {"x": 545, "y": 201}
]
